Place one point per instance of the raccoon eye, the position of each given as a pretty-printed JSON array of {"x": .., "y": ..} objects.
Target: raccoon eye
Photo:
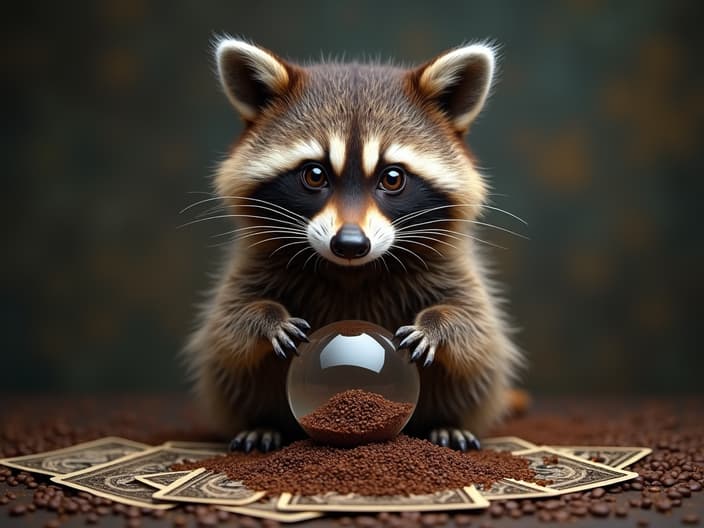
[
  {"x": 392, "y": 180},
  {"x": 313, "y": 176}
]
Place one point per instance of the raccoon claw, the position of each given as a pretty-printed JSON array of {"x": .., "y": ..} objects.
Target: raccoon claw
[
  {"x": 418, "y": 342},
  {"x": 301, "y": 323},
  {"x": 403, "y": 331},
  {"x": 264, "y": 440},
  {"x": 282, "y": 342},
  {"x": 458, "y": 439}
]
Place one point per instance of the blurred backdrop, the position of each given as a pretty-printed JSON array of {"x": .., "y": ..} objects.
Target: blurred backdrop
[{"x": 113, "y": 119}]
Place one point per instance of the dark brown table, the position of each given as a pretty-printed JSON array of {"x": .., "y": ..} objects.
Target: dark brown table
[{"x": 50, "y": 422}]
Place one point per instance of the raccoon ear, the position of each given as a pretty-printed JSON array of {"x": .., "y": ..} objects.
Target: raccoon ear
[
  {"x": 458, "y": 81},
  {"x": 250, "y": 76}
]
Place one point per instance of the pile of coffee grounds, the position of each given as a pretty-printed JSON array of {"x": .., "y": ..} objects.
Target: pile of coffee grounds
[
  {"x": 401, "y": 466},
  {"x": 356, "y": 417}
]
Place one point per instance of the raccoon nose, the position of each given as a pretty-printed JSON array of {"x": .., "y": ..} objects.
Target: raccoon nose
[{"x": 350, "y": 242}]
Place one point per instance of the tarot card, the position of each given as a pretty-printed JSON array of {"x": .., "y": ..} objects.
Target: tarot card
[
  {"x": 161, "y": 480},
  {"x": 568, "y": 473},
  {"x": 198, "y": 446},
  {"x": 116, "y": 480},
  {"x": 507, "y": 443},
  {"x": 510, "y": 489},
  {"x": 614, "y": 456},
  {"x": 77, "y": 457},
  {"x": 208, "y": 487},
  {"x": 457, "y": 499},
  {"x": 265, "y": 508}
]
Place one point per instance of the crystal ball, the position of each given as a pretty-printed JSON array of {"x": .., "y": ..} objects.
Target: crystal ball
[{"x": 350, "y": 385}]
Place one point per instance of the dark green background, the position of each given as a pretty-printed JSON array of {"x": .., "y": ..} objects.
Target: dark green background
[{"x": 112, "y": 117}]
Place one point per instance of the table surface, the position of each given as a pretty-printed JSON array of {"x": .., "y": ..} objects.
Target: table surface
[{"x": 159, "y": 418}]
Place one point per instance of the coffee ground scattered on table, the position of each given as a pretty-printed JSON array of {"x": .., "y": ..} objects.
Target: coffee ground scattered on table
[
  {"x": 668, "y": 490},
  {"x": 401, "y": 466},
  {"x": 356, "y": 417}
]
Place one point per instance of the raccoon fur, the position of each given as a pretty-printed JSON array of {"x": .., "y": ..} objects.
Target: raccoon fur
[{"x": 353, "y": 196}]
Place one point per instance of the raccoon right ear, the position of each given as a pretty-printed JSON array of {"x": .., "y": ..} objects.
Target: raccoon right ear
[
  {"x": 458, "y": 82},
  {"x": 250, "y": 76}
]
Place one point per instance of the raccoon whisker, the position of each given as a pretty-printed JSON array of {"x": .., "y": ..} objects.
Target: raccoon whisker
[
  {"x": 195, "y": 204},
  {"x": 498, "y": 209},
  {"x": 296, "y": 221},
  {"x": 295, "y": 255},
  {"x": 280, "y": 228},
  {"x": 309, "y": 257},
  {"x": 412, "y": 253},
  {"x": 217, "y": 217},
  {"x": 317, "y": 262},
  {"x": 282, "y": 210},
  {"x": 406, "y": 228},
  {"x": 444, "y": 232},
  {"x": 281, "y": 207},
  {"x": 410, "y": 241},
  {"x": 269, "y": 240},
  {"x": 287, "y": 245},
  {"x": 431, "y": 209},
  {"x": 438, "y": 231},
  {"x": 383, "y": 261},
  {"x": 519, "y": 235},
  {"x": 390, "y": 253},
  {"x": 272, "y": 232},
  {"x": 409, "y": 238}
]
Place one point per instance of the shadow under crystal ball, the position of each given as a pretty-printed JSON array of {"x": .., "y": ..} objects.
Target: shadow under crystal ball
[{"x": 345, "y": 356}]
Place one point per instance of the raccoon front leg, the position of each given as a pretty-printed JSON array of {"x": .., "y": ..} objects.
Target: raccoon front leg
[
  {"x": 239, "y": 381},
  {"x": 269, "y": 320},
  {"x": 446, "y": 329}
]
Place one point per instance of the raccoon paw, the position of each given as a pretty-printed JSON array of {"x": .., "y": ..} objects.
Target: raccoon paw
[
  {"x": 281, "y": 337},
  {"x": 263, "y": 439},
  {"x": 459, "y": 439},
  {"x": 419, "y": 342}
]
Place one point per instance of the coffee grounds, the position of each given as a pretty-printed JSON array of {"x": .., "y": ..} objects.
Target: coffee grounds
[
  {"x": 401, "y": 466},
  {"x": 675, "y": 470},
  {"x": 356, "y": 417}
]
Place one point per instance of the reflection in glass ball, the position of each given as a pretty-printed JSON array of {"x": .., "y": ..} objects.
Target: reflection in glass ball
[{"x": 350, "y": 355}]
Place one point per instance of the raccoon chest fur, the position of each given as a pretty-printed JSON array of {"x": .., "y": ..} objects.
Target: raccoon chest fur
[{"x": 334, "y": 293}]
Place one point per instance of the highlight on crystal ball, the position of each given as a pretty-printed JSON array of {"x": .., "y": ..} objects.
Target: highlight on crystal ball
[{"x": 351, "y": 386}]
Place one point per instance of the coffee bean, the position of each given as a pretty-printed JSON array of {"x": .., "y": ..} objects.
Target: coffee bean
[
  {"x": 663, "y": 505},
  {"x": 462, "y": 519},
  {"x": 599, "y": 509},
  {"x": 18, "y": 510},
  {"x": 690, "y": 518},
  {"x": 207, "y": 520}
]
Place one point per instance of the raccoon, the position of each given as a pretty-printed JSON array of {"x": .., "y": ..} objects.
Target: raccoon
[{"x": 354, "y": 196}]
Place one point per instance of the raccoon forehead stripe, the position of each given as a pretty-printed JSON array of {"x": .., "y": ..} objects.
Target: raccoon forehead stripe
[
  {"x": 447, "y": 171},
  {"x": 337, "y": 153},
  {"x": 281, "y": 158},
  {"x": 370, "y": 155}
]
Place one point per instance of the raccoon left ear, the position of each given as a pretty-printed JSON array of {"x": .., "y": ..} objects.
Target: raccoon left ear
[
  {"x": 458, "y": 81},
  {"x": 250, "y": 76}
]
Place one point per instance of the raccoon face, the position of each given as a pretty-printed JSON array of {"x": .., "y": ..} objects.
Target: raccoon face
[{"x": 353, "y": 162}]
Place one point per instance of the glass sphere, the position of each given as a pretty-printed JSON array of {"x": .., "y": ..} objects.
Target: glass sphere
[{"x": 350, "y": 355}]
